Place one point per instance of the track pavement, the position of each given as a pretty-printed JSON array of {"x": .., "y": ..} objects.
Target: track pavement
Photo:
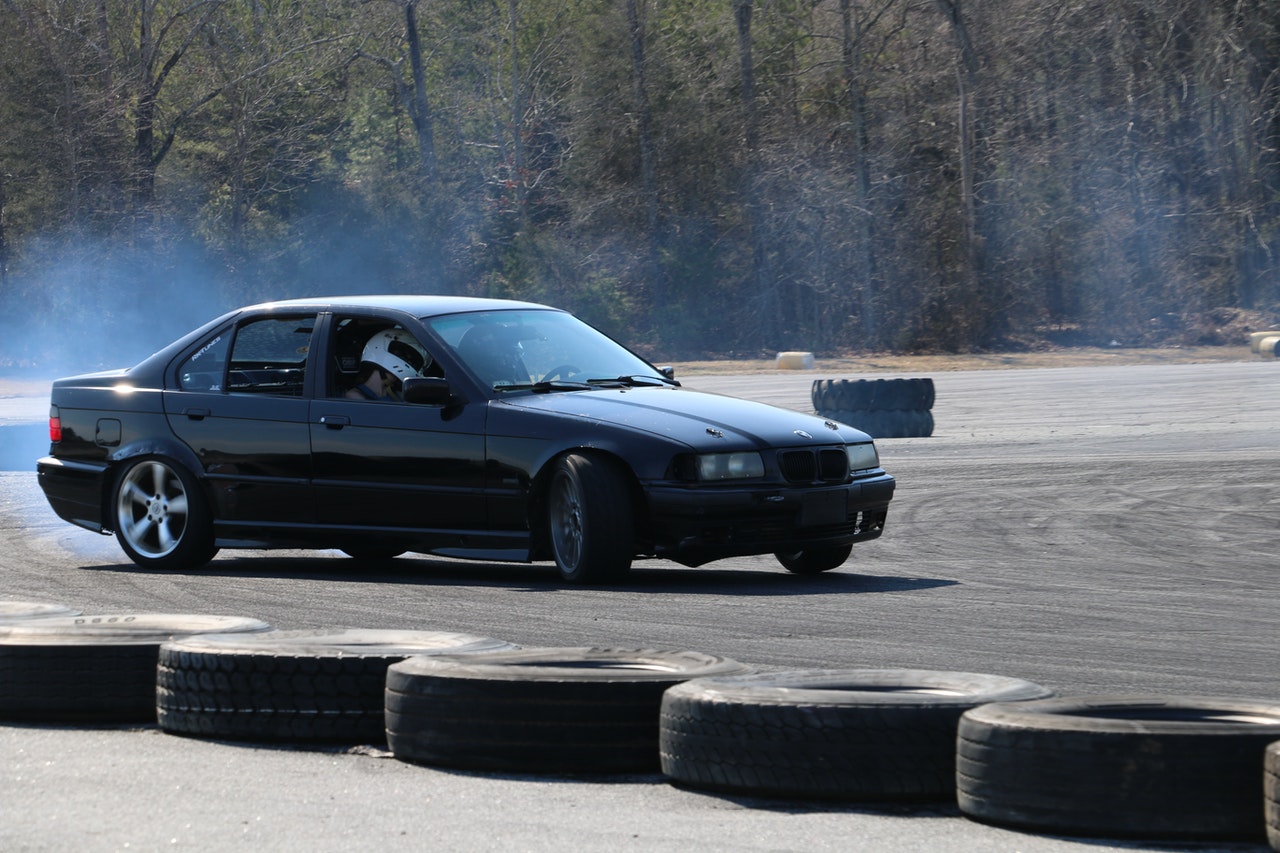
[{"x": 1097, "y": 530}]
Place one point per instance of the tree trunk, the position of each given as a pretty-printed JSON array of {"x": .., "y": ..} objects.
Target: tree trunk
[
  {"x": 868, "y": 296},
  {"x": 144, "y": 116},
  {"x": 648, "y": 158},
  {"x": 764, "y": 288},
  {"x": 420, "y": 106},
  {"x": 974, "y": 318}
]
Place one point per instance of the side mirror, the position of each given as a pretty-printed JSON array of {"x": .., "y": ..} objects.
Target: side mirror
[
  {"x": 427, "y": 391},
  {"x": 668, "y": 371}
]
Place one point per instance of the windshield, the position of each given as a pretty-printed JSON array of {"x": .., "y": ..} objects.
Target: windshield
[{"x": 513, "y": 350}]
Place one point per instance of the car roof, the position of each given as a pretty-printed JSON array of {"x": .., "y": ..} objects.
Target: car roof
[{"x": 416, "y": 305}]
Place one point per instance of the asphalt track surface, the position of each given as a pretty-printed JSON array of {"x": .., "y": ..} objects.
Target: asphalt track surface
[{"x": 1100, "y": 531}]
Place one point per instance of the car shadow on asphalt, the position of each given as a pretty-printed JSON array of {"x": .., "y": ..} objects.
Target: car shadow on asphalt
[{"x": 536, "y": 577}]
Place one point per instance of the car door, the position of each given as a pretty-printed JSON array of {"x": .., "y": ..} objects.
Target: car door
[
  {"x": 381, "y": 463},
  {"x": 241, "y": 405}
]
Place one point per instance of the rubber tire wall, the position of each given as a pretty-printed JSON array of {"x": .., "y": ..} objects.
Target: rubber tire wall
[
  {"x": 1149, "y": 767},
  {"x": 291, "y": 685},
  {"x": 1271, "y": 789},
  {"x": 879, "y": 734},
  {"x": 882, "y": 408},
  {"x": 538, "y": 710},
  {"x": 99, "y": 668}
]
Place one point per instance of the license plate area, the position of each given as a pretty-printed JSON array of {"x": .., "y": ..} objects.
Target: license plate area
[{"x": 824, "y": 508}]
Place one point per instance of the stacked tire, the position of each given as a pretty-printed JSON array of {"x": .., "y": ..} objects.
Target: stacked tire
[
  {"x": 539, "y": 710},
  {"x": 1271, "y": 786},
  {"x": 851, "y": 735},
  {"x": 291, "y": 685},
  {"x": 94, "y": 668},
  {"x": 882, "y": 408},
  {"x": 1145, "y": 767}
]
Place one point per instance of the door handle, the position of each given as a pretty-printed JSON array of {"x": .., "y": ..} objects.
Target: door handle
[
  {"x": 196, "y": 414},
  {"x": 335, "y": 421}
]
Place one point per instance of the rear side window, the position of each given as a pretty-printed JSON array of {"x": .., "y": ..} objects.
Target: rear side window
[
  {"x": 267, "y": 356},
  {"x": 270, "y": 357},
  {"x": 206, "y": 369}
]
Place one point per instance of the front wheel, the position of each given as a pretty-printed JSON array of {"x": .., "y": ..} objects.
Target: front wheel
[
  {"x": 590, "y": 520},
  {"x": 162, "y": 519},
  {"x": 811, "y": 561}
]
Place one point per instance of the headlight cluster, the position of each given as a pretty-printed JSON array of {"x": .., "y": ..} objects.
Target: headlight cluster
[
  {"x": 730, "y": 466},
  {"x": 862, "y": 456}
]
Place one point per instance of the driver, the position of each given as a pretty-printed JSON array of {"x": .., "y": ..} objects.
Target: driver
[{"x": 389, "y": 357}]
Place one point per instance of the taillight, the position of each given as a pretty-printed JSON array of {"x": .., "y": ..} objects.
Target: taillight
[{"x": 55, "y": 425}]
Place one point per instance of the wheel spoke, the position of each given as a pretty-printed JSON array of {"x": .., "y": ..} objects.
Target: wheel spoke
[
  {"x": 165, "y": 535},
  {"x": 157, "y": 478},
  {"x": 133, "y": 493},
  {"x": 139, "y": 530}
]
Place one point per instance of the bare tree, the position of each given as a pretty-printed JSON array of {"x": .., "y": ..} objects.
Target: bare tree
[{"x": 412, "y": 94}]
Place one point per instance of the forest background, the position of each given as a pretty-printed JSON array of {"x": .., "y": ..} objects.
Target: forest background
[{"x": 699, "y": 178}]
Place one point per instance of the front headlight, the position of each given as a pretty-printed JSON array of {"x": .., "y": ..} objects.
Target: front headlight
[
  {"x": 730, "y": 466},
  {"x": 862, "y": 456}
]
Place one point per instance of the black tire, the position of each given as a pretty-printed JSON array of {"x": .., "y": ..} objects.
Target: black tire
[
  {"x": 291, "y": 685},
  {"x": 878, "y": 734},
  {"x": 923, "y": 424},
  {"x": 590, "y": 519},
  {"x": 1271, "y": 789},
  {"x": 868, "y": 395},
  {"x": 93, "y": 668},
  {"x": 162, "y": 520},
  {"x": 13, "y": 611},
  {"x": 1118, "y": 766},
  {"x": 812, "y": 561},
  {"x": 904, "y": 423},
  {"x": 538, "y": 710}
]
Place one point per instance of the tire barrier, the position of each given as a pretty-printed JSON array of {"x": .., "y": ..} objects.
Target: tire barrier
[
  {"x": 1145, "y": 767},
  {"x": 538, "y": 710},
  {"x": 882, "y": 408},
  {"x": 100, "y": 668},
  {"x": 291, "y": 685},
  {"x": 1271, "y": 787},
  {"x": 1186, "y": 768},
  {"x": 1269, "y": 347},
  {"x": 795, "y": 361},
  {"x": 855, "y": 735},
  {"x": 1256, "y": 339}
]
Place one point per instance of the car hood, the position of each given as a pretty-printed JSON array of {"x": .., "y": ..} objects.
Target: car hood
[{"x": 695, "y": 418}]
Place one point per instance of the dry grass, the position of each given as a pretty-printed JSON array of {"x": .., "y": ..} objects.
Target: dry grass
[{"x": 1065, "y": 357}]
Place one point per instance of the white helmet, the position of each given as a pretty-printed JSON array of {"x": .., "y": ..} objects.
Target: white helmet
[{"x": 395, "y": 351}]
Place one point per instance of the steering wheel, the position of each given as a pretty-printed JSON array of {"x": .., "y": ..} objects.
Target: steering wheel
[{"x": 564, "y": 371}]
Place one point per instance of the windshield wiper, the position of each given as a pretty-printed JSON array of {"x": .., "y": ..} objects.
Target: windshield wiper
[
  {"x": 546, "y": 387},
  {"x": 637, "y": 380}
]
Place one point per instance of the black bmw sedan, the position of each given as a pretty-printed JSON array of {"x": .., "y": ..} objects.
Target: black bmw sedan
[{"x": 474, "y": 428}]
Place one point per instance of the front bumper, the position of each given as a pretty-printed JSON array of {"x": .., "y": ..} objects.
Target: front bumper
[{"x": 694, "y": 525}]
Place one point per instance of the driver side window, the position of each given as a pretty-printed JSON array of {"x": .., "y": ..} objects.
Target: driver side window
[{"x": 372, "y": 357}]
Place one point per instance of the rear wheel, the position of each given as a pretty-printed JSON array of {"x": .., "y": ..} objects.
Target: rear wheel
[
  {"x": 811, "y": 561},
  {"x": 590, "y": 520},
  {"x": 162, "y": 519}
]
